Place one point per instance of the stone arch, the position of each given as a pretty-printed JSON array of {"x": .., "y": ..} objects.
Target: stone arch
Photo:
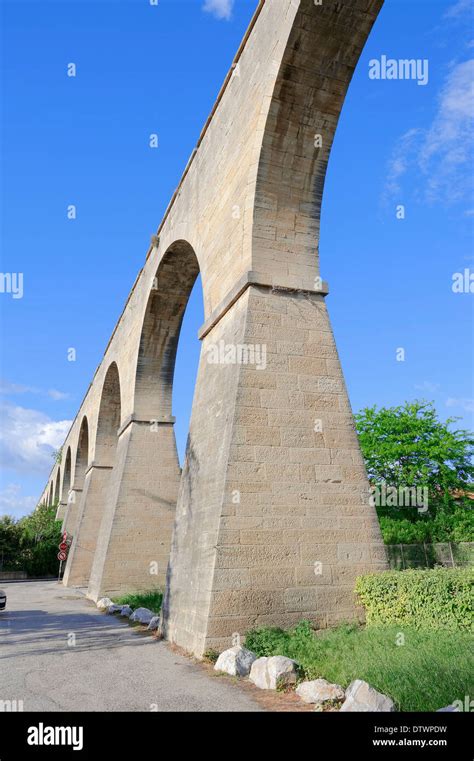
[
  {"x": 57, "y": 487},
  {"x": 82, "y": 455},
  {"x": 322, "y": 51},
  {"x": 96, "y": 482},
  {"x": 80, "y": 467},
  {"x": 65, "y": 486},
  {"x": 172, "y": 285},
  {"x": 109, "y": 417},
  {"x": 147, "y": 470},
  {"x": 67, "y": 472}
]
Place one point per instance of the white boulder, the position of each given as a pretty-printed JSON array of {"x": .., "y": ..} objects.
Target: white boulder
[
  {"x": 360, "y": 696},
  {"x": 236, "y": 661},
  {"x": 319, "y": 691},
  {"x": 154, "y": 624},
  {"x": 273, "y": 672},
  {"x": 142, "y": 615},
  {"x": 104, "y": 603},
  {"x": 114, "y": 609}
]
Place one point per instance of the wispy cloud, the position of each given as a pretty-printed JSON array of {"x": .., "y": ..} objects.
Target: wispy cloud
[
  {"x": 465, "y": 404},
  {"x": 221, "y": 9},
  {"x": 402, "y": 159},
  {"x": 28, "y": 438},
  {"x": 440, "y": 155},
  {"x": 458, "y": 9},
  {"x": 16, "y": 388},
  {"x": 13, "y": 389},
  {"x": 55, "y": 394},
  {"x": 427, "y": 386},
  {"x": 13, "y": 502},
  {"x": 447, "y": 151}
]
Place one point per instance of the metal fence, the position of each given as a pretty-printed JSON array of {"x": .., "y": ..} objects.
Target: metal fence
[{"x": 446, "y": 554}]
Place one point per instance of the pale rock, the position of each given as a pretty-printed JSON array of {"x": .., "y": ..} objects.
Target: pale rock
[
  {"x": 273, "y": 672},
  {"x": 104, "y": 603},
  {"x": 360, "y": 696},
  {"x": 142, "y": 615},
  {"x": 319, "y": 691},
  {"x": 154, "y": 624},
  {"x": 236, "y": 661},
  {"x": 114, "y": 609}
]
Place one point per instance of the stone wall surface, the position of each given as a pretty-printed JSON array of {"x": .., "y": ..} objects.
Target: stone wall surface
[{"x": 269, "y": 520}]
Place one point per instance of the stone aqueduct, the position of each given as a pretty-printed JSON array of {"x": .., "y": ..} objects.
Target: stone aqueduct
[{"x": 269, "y": 520}]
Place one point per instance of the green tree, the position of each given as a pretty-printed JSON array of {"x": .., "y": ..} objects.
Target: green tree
[
  {"x": 40, "y": 537},
  {"x": 10, "y": 547},
  {"x": 410, "y": 447}
]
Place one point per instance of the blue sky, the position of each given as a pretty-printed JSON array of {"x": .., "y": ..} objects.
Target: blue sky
[{"x": 83, "y": 140}]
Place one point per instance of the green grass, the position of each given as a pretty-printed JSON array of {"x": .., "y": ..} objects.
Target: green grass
[
  {"x": 151, "y": 600},
  {"x": 430, "y": 670}
]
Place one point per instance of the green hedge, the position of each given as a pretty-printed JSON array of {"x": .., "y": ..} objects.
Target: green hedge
[{"x": 436, "y": 599}]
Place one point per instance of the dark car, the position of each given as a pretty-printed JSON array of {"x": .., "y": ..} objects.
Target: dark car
[{"x": 3, "y": 599}]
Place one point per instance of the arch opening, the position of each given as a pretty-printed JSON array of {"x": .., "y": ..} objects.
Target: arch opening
[
  {"x": 57, "y": 487},
  {"x": 109, "y": 418},
  {"x": 172, "y": 287},
  {"x": 66, "y": 485},
  {"x": 96, "y": 485},
  {"x": 82, "y": 455}
]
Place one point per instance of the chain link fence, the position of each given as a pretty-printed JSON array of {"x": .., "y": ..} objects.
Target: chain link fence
[{"x": 446, "y": 554}]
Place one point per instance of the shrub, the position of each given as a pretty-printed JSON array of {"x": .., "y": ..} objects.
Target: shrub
[
  {"x": 435, "y": 599},
  {"x": 273, "y": 641},
  {"x": 151, "y": 599}
]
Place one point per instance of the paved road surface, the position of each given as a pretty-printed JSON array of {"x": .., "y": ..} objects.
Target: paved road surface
[{"x": 111, "y": 667}]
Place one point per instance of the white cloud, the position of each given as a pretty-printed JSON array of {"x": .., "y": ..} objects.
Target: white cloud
[
  {"x": 16, "y": 388},
  {"x": 465, "y": 404},
  {"x": 12, "y": 389},
  {"x": 442, "y": 154},
  {"x": 221, "y": 9},
  {"x": 401, "y": 160},
  {"x": 13, "y": 502},
  {"x": 447, "y": 151},
  {"x": 55, "y": 394},
  {"x": 458, "y": 9},
  {"x": 28, "y": 438},
  {"x": 427, "y": 386}
]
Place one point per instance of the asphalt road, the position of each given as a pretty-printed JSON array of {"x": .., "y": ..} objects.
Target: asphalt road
[{"x": 59, "y": 653}]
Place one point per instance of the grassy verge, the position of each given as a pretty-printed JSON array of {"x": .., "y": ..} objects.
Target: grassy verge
[
  {"x": 426, "y": 671},
  {"x": 151, "y": 600}
]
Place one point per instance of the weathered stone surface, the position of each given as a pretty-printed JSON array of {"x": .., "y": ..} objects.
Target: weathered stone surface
[
  {"x": 236, "y": 661},
  {"x": 104, "y": 603},
  {"x": 271, "y": 439},
  {"x": 319, "y": 691},
  {"x": 273, "y": 672},
  {"x": 126, "y": 611},
  {"x": 448, "y": 709},
  {"x": 154, "y": 624},
  {"x": 360, "y": 696},
  {"x": 142, "y": 615}
]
